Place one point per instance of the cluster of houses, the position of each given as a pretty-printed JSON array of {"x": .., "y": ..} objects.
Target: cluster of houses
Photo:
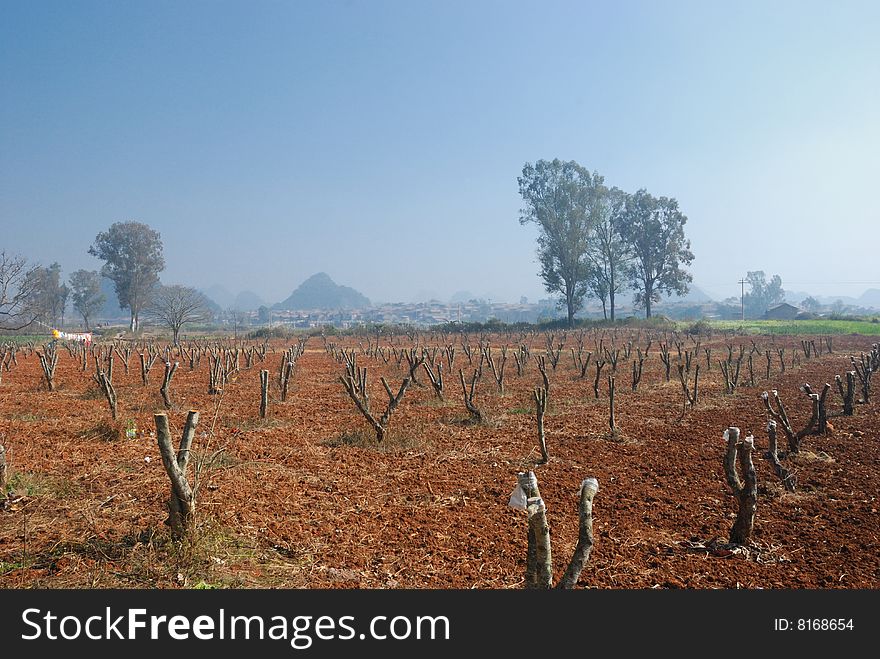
[
  {"x": 415, "y": 313},
  {"x": 437, "y": 313}
]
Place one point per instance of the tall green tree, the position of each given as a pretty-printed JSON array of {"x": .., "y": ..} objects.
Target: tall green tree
[
  {"x": 559, "y": 198},
  {"x": 609, "y": 254},
  {"x": 87, "y": 297},
  {"x": 132, "y": 255},
  {"x": 811, "y": 304},
  {"x": 49, "y": 294},
  {"x": 654, "y": 229},
  {"x": 762, "y": 294}
]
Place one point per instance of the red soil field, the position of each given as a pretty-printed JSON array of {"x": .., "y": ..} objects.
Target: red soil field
[{"x": 307, "y": 499}]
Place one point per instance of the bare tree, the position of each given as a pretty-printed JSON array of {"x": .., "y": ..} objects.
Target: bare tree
[
  {"x": 17, "y": 289},
  {"x": 176, "y": 306}
]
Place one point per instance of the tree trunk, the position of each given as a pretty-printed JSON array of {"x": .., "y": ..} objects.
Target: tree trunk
[
  {"x": 3, "y": 476},
  {"x": 540, "y": 408},
  {"x": 745, "y": 492},
  {"x": 581, "y": 555},
  {"x": 787, "y": 478},
  {"x": 181, "y": 506},
  {"x": 264, "y": 393},
  {"x": 541, "y": 530},
  {"x": 611, "y": 422},
  {"x": 529, "y": 484}
]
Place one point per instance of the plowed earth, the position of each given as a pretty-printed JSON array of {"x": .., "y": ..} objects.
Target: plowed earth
[{"x": 307, "y": 498}]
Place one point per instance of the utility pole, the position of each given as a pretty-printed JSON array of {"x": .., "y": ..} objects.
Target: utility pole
[{"x": 742, "y": 298}]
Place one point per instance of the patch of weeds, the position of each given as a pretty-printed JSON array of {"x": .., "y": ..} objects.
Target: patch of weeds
[
  {"x": 395, "y": 440},
  {"x": 617, "y": 436},
  {"x": 91, "y": 394},
  {"x": 256, "y": 424},
  {"x": 29, "y": 484},
  {"x": 200, "y": 557},
  {"x": 809, "y": 456},
  {"x": 105, "y": 430},
  {"x": 26, "y": 416},
  {"x": 436, "y": 402},
  {"x": 197, "y": 561},
  {"x": 6, "y": 567},
  {"x": 520, "y": 410},
  {"x": 222, "y": 460},
  {"x": 471, "y": 421}
]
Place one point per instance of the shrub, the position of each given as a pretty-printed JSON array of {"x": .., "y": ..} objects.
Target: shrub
[{"x": 702, "y": 326}]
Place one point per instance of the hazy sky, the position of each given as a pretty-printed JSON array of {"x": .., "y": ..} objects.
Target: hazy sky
[{"x": 381, "y": 141}]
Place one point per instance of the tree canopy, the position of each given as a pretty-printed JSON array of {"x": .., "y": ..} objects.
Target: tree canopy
[
  {"x": 762, "y": 294},
  {"x": 609, "y": 254},
  {"x": 87, "y": 297},
  {"x": 132, "y": 255},
  {"x": 560, "y": 198},
  {"x": 49, "y": 298},
  {"x": 654, "y": 228}
]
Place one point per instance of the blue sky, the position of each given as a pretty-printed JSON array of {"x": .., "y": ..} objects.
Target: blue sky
[{"x": 381, "y": 141}]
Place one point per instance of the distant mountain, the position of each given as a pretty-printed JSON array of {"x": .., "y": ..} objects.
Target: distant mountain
[
  {"x": 831, "y": 299},
  {"x": 220, "y": 295},
  {"x": 796, "y": 297},
  {"x": 695, "y": 295},
  {"x": 870, "y": 298},
  {"x": 321, "y": 292},
  {"x": 247, "y": 301},
  {"x": 212, "y": 305}
]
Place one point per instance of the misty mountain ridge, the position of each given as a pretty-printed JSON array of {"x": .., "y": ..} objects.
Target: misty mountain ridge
[
  {"x": 695, "y": 295},
  {"x": 247, "y": 301},
  {"x": 320, "y": 292},
  {"x": 243, "y": 301},
  {"x": 870, "y": 299},
  {"x": 220, "y": 295}
]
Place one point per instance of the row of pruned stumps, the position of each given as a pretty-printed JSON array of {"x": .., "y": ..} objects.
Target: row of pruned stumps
[
  {"x": 682, "y": 351},
  {"x": 739, "y": 471},
  {"x": 224, "y": 363},
  {"x": 355, "y": 379},
  {"x": 818, "y": 423},
  {"x": 740, "y": 449},
  {"x": 184, "y": 489}
]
